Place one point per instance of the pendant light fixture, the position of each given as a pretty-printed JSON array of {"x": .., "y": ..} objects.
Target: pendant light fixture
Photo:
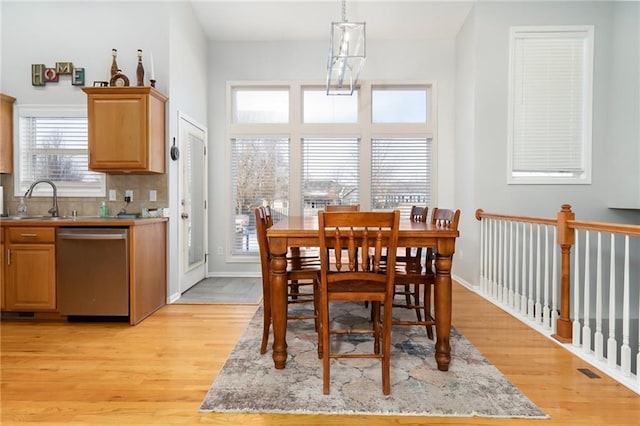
[{"x": 346, "y": 55}]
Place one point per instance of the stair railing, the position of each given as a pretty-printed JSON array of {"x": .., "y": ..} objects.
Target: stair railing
[{"x": 595, "y": 292}]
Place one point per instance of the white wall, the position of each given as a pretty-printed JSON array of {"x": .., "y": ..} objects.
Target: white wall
[
  {"x": 306, "y": 61},
  {"x": 465, "y": 189},
  {"x": 82, "y": 33},
  {"x": 487, "y": 185},
  {"x": 188, "y": 95}
]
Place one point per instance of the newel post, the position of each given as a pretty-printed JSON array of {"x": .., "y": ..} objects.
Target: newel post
[{"x": 566, "y": 238}]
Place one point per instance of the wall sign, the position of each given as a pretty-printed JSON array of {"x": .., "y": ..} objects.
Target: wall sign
[{"x": 41, "y": 74}]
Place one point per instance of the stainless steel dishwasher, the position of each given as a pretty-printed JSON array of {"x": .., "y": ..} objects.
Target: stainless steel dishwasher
[{"x": 92, "y": 271}]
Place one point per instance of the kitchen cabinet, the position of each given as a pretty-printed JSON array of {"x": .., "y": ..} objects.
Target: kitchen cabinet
[
  {"x": 6, "y": 133},
  {"x": 30, "y": 276},
  {"x": 2, "y": 269},
  {"x": 30, "y": 256},
  {"x": 126, "y": 129}
]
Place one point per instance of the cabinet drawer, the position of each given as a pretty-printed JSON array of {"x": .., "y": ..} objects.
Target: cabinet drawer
[{"x": 31, "y": 235}]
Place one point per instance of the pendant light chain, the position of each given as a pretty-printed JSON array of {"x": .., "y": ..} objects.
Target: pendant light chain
[{"x": 344, "y": 10}]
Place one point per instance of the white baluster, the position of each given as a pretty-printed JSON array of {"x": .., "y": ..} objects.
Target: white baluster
[
  {"x": 492, "y": 258},
  {"x": 554, "y": 279},
  {"x": 612, "y": 344},
  {"x": 586, "y": 329},
  {"x": 517, "y": 296},
  {"x": 538, "y": 305},
  {"x": 505, "y": 267},
  {"x": 523, "y": 287},
  {"x": 495, "y": 241},
  {"x": 511, "y": 292},
  {"x": 500, "y": 250},
  {"x": 483, "y": 223},
  {"x": 545, "y": 306},
  {"x": 576, "y": 293},
  {"x": 598, "y": 337},
  {"x": 638, "y": 354},
  {"x": 625, "y": 350},
  {"x": 530, "y": 303}
]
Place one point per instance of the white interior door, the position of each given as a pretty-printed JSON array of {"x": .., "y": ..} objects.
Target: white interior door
[{"x": 193, "y": 201}]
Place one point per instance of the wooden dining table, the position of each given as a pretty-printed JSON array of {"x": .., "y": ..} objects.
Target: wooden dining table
[{"x": 297, "y": 231}]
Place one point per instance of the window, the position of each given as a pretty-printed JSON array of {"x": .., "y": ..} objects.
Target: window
[
  {"x": 260, "y": 106},
  {"x": 260, "y": 176},
  {"x": 399, "y": 105},
  {"x": 52, "y": 144},
  {"x": 550, "y": 97},
  {"x": 330, "y": 173},
  {"x": 400, "y": 173},
  {"x": 320, "y": 108},
  {"x": 298, "y": 150}
]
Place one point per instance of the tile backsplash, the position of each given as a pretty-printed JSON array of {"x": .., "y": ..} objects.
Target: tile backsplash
[{"x": 88, "y": 206}]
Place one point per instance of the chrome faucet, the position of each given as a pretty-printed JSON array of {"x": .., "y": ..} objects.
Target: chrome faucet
[{"x": 53, "y": 210}]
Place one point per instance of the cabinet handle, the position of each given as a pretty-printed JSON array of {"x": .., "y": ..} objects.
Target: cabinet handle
[
  {"x": 8, "y": 257},
  {"x": 28, "y": 235}
]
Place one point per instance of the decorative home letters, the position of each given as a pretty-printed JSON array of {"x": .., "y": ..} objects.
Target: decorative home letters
[{"x": 41, "y": 74}]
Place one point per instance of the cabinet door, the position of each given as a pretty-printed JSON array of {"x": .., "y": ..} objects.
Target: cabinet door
[
  {"x": 118, "y": 132},
  {"x": 30, "y": 281},
  {"x": 2, "y": 269},
  {"x": 6, "y": 133}
]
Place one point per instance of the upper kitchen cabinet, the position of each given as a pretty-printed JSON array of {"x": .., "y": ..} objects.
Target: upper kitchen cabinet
[
  {"x": 126, "y": 129},
  {"x": 6, "y": 133}
]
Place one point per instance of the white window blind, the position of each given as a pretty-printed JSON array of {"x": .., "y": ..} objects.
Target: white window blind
[
  {"x": 330, "y": 173},
  {"x": 401, "y": 174},
  {"x": 550, "y": 98},
  {"x": 260, "y": 175},
  {"x": 53, "y": 146}
]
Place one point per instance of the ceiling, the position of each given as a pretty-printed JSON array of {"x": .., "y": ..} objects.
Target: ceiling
[{"x": 267, "y": 20}]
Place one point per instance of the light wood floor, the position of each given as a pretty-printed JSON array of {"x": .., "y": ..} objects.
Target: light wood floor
[{"x": 159, "y": 371}]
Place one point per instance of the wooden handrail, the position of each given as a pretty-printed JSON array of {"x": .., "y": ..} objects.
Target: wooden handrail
[
  {"x": 614, "y": 228},
  {"x": 632, "y": 230},
  {"x": 529, "y": 219}
]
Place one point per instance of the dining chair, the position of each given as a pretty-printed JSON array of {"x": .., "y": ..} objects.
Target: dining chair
[
  {"x": 370, "y": 233},
  {"x": 342, "y": 208},
  {"x": 410, "y": 277},
  {"x": 419, "y": 273},
  {"x": 302, "y": 272}
]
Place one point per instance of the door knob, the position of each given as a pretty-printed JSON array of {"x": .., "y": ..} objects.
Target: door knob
[{"x": 185, "y": 215}]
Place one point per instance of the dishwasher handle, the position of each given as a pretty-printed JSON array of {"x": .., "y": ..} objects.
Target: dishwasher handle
[{"x": 92, "y": 236}]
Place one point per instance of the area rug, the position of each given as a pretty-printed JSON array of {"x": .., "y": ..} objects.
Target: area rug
[{"x": 249, "y": 383}]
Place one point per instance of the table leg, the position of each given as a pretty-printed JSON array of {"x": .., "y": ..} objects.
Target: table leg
[
  {"x": 443, "y": 303},
  {"x": 278, "y": 249}
]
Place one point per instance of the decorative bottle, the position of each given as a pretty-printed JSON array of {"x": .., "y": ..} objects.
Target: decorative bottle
[
  {"x": 114, "y": 62},
  {"x": 22, "y": 207},
  {"x": 103, "y": 211},
  {"x": 140, "y": 70}
]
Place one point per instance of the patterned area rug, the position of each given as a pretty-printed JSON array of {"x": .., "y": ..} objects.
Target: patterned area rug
[{"x": 249, "y": 383}]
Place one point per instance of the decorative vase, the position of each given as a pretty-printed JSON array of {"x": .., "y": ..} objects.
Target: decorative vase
[
  {"x": 140, "y": 69},
  {"x": 114, "y": 62}
]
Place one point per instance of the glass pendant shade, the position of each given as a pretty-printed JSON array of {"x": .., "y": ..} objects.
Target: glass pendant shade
[{"x": 346, "y": 57}]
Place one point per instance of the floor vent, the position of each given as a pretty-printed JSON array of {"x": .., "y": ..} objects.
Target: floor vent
[{"x": 590, "y": 374}]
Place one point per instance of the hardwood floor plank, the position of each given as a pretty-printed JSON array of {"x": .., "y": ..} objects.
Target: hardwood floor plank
[{"x": 159, "y": 371}]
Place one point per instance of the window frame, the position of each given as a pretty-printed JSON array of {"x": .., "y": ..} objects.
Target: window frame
[
  {"x": 584, "y": 176},
  {"x": 64, "y": 189},
  {"x": 296, "y": 130}
]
